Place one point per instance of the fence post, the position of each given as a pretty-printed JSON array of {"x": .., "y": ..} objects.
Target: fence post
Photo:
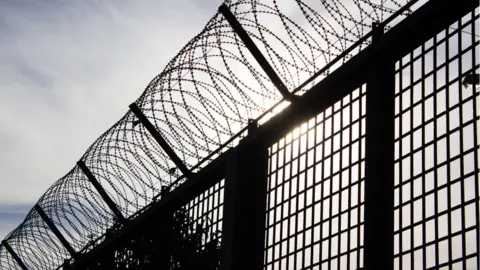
[
  {"x": 162, "y": 229},
  {"x": 243, "y": 233},
  {"x": 379, "y": 167}
]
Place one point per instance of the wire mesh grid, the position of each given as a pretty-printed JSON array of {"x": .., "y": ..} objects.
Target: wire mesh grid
[
  {"x": 316, "y": 191},
  {"x": 316, "y": 172},
  {"x": 436, "y": 152},
  {"x": 206, "y": 212}
]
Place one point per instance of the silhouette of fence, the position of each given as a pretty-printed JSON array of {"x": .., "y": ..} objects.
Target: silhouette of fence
[{"x": 372, "y": 164}]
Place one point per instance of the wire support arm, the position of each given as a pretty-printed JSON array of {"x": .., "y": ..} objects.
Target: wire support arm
[
  {"x": 101, "y": 191},
  {"x": 160, "y": 140},
  {"x": 262, "y": 61},
  {"x": 55, "y": 230},
  {"x": 14, "y": 255}
]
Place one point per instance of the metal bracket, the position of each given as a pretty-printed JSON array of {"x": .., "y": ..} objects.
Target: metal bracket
[
  {"x": 101, "y": 191},
  {"x": 14, "y": 255},
  {"x": 160, "y": 140},
  {"x": 55, "y": 231},
  {"x": 252, "y": 126},
  {"x": 262, "y": 61},
  {"x": 471, "y": 79}
]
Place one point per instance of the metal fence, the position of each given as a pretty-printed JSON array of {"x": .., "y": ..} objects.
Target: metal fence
[
  {"x": 315, "y": 212},
  {"x": 437, "y": 118},
  {"x": 376, "y": 166},
  {"x": 316, "y": 191}
]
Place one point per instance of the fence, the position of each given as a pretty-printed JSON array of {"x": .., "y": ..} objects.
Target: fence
[{"x": 374, "y": 167}]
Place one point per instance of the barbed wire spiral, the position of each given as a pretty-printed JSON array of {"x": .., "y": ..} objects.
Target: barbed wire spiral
[{"x": 203, "y": 97}]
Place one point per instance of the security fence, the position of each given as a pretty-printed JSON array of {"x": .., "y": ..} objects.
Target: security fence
[{"x": 370, "y": 162}]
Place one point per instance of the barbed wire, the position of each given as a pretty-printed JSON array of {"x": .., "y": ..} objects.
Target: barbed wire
[{"x": 204, "y": 97}]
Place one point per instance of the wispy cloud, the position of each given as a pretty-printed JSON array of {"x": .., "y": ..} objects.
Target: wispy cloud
[{"x": 68, "y": 70}]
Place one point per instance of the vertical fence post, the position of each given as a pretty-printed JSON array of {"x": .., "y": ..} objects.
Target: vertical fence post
[
  {"x": 379, "y": 167},
  {"x": 243, "y": 233},
  {"x": 163, "y": 225}
]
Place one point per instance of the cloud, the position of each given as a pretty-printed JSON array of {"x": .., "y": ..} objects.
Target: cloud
[
  {"x": 11, "y": 215},
  {"x": 68, "y": 71}
]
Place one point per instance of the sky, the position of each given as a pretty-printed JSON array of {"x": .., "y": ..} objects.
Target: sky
[{"x": 68, "y": 71}]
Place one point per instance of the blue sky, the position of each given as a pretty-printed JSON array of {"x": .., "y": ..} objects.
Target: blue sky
[{"x": 68, "y": 70}]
